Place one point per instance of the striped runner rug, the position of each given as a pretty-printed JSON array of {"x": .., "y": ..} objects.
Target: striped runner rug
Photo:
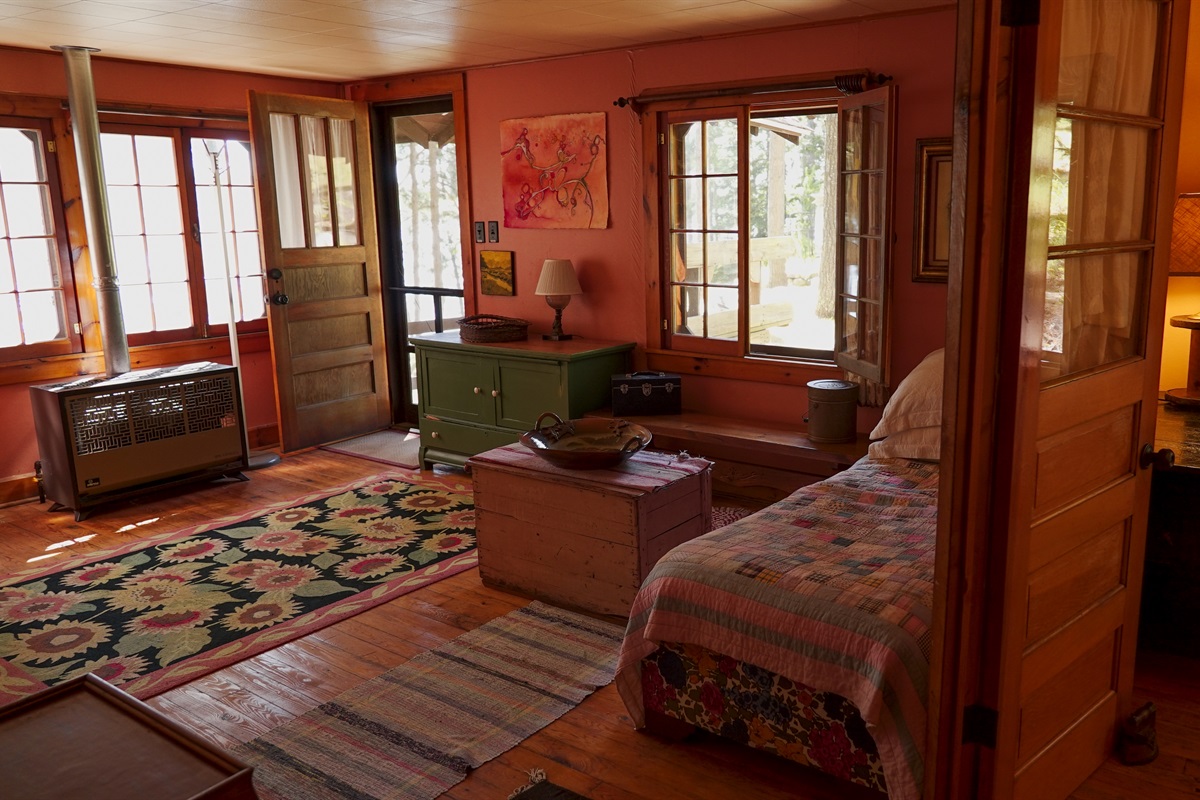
[{"x": 418, "y": 729}]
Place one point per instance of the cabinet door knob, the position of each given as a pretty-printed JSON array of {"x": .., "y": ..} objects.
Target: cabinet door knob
[
  {"x": 495, "y": 392},
  {"x": 478, "y": 390}
]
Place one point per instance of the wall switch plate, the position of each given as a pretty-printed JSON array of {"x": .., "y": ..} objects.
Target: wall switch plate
[
  {"x": 493, "y": 231},
  {"x": 479, "y": 237}
]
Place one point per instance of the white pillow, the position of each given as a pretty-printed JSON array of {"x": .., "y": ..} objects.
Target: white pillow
[
  {"x": 924, "y": 444},
  {"x": 917, "y": 402}
]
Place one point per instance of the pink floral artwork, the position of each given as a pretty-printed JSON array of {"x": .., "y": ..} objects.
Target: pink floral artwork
[{"x": 554, "y": 171}]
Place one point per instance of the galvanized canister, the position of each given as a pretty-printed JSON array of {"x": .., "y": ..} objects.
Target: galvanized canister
[{"x": 832, "y": 410}]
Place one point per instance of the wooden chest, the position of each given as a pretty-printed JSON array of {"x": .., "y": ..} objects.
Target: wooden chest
[{"x": 584, "y": 538}]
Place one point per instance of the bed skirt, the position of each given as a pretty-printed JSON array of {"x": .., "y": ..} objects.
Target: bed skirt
[{"x": 755, "y": 707}]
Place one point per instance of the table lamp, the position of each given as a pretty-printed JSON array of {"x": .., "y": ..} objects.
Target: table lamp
[
  {"x": 557, "y": 283},
  {"x": 1185, "y": 260}
]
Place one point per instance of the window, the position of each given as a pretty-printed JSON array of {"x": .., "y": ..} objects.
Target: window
[
  {"x": 223, "y": 175},
  {"x": 166, "y": 223},
  {"x": 37, "y": 305},
  {"x": 786, "y": 186},
  {"x": 773, "y": 227}
]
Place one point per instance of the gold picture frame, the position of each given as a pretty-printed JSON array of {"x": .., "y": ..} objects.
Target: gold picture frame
[
  {"x": 496, "y": 272},
  {"x": 931, "y": 212}
]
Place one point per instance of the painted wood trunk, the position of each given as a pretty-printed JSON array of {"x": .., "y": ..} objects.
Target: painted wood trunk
[{"x": 584, "y": 539}]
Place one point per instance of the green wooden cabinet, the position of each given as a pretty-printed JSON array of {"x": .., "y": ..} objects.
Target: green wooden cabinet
[{"x": 473, "y": 397}]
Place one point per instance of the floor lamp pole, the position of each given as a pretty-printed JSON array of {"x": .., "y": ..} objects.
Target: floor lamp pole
[{"x": 260, "y": 459}]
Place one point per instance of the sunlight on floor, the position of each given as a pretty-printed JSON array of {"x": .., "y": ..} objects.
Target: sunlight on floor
[
  {"x": 136, "y": 525},
  {"x": 52, "y": 549}
]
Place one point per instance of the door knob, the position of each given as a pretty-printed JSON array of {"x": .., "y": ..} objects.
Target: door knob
[
  {"x": 275, "y": 273},
  {"x": 280, "y": 299},
  {"x": 1162, "y": 459}
]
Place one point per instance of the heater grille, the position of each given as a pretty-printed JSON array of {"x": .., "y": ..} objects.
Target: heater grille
[{"x": 112, "y": 420}]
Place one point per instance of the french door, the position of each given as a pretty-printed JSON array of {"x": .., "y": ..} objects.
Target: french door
[{"x": 1066, "y": 167}]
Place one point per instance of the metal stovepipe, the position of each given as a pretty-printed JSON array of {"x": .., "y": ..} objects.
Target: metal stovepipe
[{"x": 81, "y": 98}]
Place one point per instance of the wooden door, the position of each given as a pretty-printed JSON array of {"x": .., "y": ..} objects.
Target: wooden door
[
  {"x": 312, "y": 160},
  {"x": 1057, "y": 355}
]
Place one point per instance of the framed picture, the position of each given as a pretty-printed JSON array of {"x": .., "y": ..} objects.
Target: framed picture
[
  {"x": 496, "y": 272},
  {"x": 931, "y": 236}
]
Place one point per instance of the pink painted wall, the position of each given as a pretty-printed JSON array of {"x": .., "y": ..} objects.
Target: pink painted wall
[
  {"x": 36, "y": 72},
  {"x": 916, "y": 50}
]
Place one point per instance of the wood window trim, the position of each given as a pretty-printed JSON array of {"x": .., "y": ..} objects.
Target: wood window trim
[
  {"x": 53, "y": 368},
  {"x": 742, "y": 368},
  {"x": 654, "y": 115},
  {"x": 73, "y": 341}
]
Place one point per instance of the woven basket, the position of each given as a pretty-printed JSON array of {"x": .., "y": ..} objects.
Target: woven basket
[{"x": 486, "y": 328}]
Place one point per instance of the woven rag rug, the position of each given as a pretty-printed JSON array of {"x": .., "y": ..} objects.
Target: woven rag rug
[
  {"x": 397, "y": 447},
  {"x": 163, "y": 610},
  {"x": 415, "y": 731}
]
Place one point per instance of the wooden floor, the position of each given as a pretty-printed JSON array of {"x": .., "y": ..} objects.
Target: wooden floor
[{"x": 592, "y": 750}]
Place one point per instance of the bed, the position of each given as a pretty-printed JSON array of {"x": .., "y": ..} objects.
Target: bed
[{"x": 804, "y": 629}]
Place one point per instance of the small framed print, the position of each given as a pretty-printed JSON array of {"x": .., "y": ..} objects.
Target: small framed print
[
  {"x": 496, "y": 272},
  {"x": 931, "y": 261}
]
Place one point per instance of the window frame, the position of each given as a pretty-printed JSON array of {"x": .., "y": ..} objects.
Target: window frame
[
  {"x": 182, "y": 135},
  {"x": 656, "y": 116},
  {"x": 193, "y": 233},
  {"x": 73, "y": 340}
]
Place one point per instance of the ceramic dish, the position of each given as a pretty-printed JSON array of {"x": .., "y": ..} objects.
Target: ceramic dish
[{"x": 591, "y": 443}]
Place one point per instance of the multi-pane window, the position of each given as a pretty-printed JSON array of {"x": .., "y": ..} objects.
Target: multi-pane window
[
  {"x": 146, "y": 214},
  {"x": 163, "y": 184},
  {"x": 223, "y": 176},
  {"x": 36, "y": 306},
  {"x": 759, "y": 282},
  {"x": 774, "y": 225},
  {"x": 166, "y": 220}
]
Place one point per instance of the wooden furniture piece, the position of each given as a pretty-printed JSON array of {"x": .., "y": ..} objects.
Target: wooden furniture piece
[
  {"x": 87, "y": 738},
  {"x": 1170, "y": 611},
  {"x": 583, "y": 538},
  {"x": 474, "y": 397},
  {"x": 756, "y": 462},
  {"x": 1190, "y": 394}
]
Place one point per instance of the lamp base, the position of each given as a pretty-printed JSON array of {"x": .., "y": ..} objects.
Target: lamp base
[
  {"x": 558, "y": 337},
  {"x": 1188, "y": 398}
]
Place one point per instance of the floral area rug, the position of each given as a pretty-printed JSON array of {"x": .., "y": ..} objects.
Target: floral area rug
[{"x": 161, "y": 611}]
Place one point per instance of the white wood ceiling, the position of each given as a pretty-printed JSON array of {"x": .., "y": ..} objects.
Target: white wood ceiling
[{"x": 350, "y": 39}]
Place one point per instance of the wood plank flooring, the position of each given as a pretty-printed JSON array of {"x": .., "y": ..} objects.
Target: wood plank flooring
[{"x": 592, "y": 750}]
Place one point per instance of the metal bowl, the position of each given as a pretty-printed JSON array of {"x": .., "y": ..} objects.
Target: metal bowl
[{"x": 591, "y": 443}]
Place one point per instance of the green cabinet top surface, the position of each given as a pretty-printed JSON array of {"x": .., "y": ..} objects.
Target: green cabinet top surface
[{"x": 568, "y": 350}]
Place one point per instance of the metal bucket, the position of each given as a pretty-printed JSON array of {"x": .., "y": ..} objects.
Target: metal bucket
[{"x": 832, "y": 411}]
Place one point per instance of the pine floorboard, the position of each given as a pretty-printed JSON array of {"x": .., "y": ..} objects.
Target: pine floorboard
[{"x": 592, "y": 750}]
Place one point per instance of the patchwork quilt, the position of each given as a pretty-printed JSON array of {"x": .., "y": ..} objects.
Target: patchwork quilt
[{"x": 830, "y": 587}]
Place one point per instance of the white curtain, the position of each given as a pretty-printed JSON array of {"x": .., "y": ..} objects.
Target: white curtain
[
  {"x": 287, "y": 180},
  {"x": 1108, "y": 59}
]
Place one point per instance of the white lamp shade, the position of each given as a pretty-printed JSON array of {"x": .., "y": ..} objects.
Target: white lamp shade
[{"x": 558, "y": 277}]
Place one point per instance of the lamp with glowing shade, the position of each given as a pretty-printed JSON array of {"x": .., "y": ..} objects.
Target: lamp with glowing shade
[
  {"x": 557, "y": 283},
  {"x": 1185, "y": 260}
]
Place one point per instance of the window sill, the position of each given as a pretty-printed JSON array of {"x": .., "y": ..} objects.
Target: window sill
[
  {"x": 51, "y": 368},
  {"x": 761, "y": 370}
]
